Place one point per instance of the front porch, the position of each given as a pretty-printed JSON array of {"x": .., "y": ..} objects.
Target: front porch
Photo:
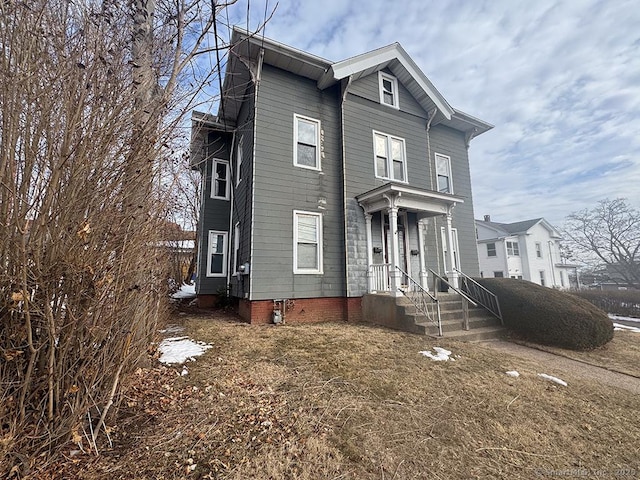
[{"x": 396, "y": 220}]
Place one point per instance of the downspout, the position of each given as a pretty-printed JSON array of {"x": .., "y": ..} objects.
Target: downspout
[
  {"x": 439, "y": 253},
  {"x": 428, "y": 127},
  {"x": 344, "y": 188},
  {"x": 256, "y": 79},
  {"x": 232, "y": 190}
]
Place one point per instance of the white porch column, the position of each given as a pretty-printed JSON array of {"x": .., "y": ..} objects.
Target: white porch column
[
  {"x": 424, "y": 279},
  {"x": 367, "y": 221},
  {"x": 394, "y": 274},
  {"x": 452, "y": 274}
]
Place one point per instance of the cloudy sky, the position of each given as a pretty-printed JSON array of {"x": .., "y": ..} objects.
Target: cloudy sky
[{"x": 560, "y": 80}]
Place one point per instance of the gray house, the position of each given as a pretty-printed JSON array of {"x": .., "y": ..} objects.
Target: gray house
[{"x": 324, "y": 182}]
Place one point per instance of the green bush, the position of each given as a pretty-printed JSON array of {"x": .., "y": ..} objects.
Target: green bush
[
  {"x": 550, "y": 317},
  {"x": 620, "y": 302}
]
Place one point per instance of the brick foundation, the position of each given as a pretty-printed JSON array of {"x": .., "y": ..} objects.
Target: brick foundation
[
  {"x": 207, "y": 301},
  {"x": 303, "y": 310}
]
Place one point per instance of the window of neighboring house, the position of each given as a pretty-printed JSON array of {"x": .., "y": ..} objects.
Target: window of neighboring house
[
  {"x": 216, "y": 254},
  {"x": 443, "y": 173},
  {"x": 239, "y": 154},
  {"x": 220, "y": 180},
  {"x": 542, "y": 281},
  {"x": 306, "y": 149},
  {"x": 513, "y": 249},
  {"x": 236, "y": 248},
  {"x": 307, "y": 242},
  {"x": 390, "y": 157},
  {"x": 491, "y": 249},
  {"x": 538, "y": 250},
  {"x": 498, "y": 274},
  {"x": 388, "y": 90}
]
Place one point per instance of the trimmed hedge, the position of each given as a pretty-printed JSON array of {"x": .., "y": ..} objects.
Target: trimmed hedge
[
  {"x": 620, "y": 302},
  {"x": 550, "y": 317}
]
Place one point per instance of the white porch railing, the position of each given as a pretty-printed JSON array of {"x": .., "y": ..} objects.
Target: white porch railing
[{"x": 379, "y": 277}]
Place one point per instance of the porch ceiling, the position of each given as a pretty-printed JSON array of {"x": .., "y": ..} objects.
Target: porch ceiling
[{"x": 412, "y": 199}]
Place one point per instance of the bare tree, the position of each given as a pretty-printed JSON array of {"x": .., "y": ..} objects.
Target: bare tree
[
  {"x": 89, "y": 93},
  {"x": 608, "y": 236}
]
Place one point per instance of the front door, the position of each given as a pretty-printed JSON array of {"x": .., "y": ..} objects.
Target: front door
[{"x": 402, "y": 261}]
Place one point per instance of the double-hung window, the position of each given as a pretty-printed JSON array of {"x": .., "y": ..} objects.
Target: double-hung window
[
  {"x": 388, "y": 89},
  {"x": 390, "y": 157},
  {"x": 307, "y": 242},
  {"x": 513, "y": 249},
  {"x": 306, "y": 147},
  {"x": 216, "y": 254},
  {"x": 220, "y": 180},
  {"x": 491, "y": 249},
  {"x": 538, "y": 250},
  {"x": 443, "y": 173}
]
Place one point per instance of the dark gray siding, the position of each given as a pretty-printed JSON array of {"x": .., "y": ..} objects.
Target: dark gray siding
[
  {"x": 363, "y": 114},
  {"x": 450, "y": 142},
  {"x": 369, "y": 88},
  {"x": 280, "y": 188},
  {"x": 242, "y": 194},
  {"x": 214, "y": 213}
]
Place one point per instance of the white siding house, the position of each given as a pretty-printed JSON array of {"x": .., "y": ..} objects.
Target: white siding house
[{"x": 527, "y": 250}]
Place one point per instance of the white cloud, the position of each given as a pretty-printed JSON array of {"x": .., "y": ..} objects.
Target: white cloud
[{"x": 559, "y": 80}]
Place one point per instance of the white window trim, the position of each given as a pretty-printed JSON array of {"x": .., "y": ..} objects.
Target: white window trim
[
  {"x": 495, "y": 250},
  {"x": 297, "y": 117},
  {"x": 538, "y": 250},
  {"x": 236, "y": 248},
  {"x": 213, "y": 179},
  {"x": 224, "y": 253},
  {"x": 389, "y": 159},
  {"x": 239, "y": 154},
  {"x": 394, "y": 84},
  {"x": 307, "y": 271},
  {"x": 512, "y": 248},
  {"x": 448, "y": 158}
]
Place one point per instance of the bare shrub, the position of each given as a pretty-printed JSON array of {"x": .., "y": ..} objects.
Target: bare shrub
[{"x": 89, "y": 93}]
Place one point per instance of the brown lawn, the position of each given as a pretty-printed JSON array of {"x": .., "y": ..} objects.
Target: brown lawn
[{"x": 344, "y": 401}]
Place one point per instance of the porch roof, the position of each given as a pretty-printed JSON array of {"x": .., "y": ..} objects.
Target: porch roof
[{"x": 412, "y": 199}]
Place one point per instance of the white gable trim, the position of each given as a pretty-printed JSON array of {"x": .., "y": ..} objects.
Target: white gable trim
[{"x": 380, "y": 58}]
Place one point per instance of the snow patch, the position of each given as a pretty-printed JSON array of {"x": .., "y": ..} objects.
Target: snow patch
[
  {"x": 553, "y": 379},
  {"x": 627, "y": 319},
  {"x": 185, "y": 291},
  {"x": 619, "y": 327},
  {"x": 512, "y": 373},
  {"x": 180, "y": 350},
  {"x": 440, "y": 355}
]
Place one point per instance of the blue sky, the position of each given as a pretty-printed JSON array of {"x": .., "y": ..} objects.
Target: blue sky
[{"x": 560, "y": 80}]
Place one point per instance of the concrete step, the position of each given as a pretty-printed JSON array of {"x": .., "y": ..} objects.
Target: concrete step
[
  {"x": 476, "y": 334},
  {"x": 450, "y": 326}
]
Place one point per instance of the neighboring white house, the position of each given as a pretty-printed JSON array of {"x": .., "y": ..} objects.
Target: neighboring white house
[{"x": 528, "y": 250}]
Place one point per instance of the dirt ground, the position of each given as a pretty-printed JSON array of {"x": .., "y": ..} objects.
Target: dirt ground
[{"x": 345, "y": 401}]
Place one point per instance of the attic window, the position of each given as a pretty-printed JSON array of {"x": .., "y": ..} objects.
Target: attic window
[{"x": 388, "y": 90}]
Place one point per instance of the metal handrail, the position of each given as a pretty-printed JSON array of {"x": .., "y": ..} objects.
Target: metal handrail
[
  {"x": 482, "y": 295},
  {"x": 457, "y": 290},
  {"x": 419, "y": 300}
]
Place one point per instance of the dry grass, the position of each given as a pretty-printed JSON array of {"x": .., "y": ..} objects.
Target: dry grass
[{"x": 351, "y": 401}]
